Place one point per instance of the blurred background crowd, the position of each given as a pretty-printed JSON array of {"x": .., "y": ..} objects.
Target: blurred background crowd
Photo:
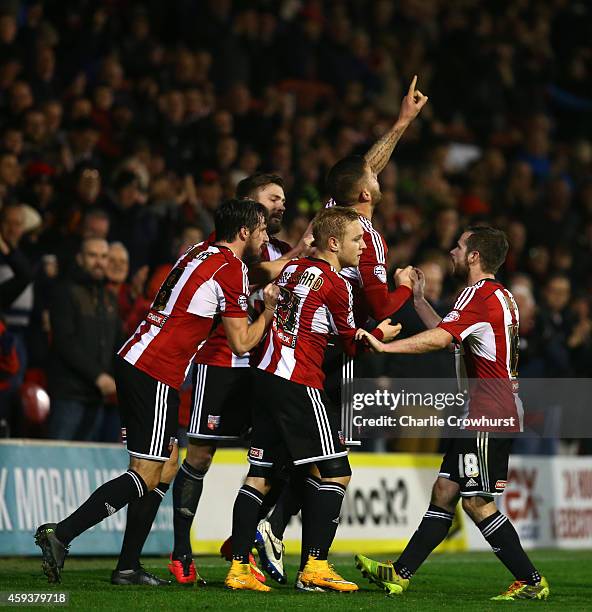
[{"x": 128, "y": 123}]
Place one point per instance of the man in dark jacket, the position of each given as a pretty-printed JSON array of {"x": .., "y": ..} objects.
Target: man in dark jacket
[
  {"x": 16, "y": 275},
  {"x": 86, "y": 333}
]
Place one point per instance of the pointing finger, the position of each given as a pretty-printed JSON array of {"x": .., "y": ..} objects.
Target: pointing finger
[{"x": 412, "y": 86}]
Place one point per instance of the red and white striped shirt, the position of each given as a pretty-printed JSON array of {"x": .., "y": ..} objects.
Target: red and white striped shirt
[
  {"x": 216, "y": 351},
  {"x": 207, "y": 281},
  {"x": 484, "y": 321},
  {"x": 372, "y": 297},
  {"x": 314, "y": 302},
  {"x": 274, "y": 249}
]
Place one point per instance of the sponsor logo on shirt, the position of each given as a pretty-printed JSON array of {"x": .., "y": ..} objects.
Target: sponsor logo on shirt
[
  {"x": 156, "y": 319},
  {"x": 243, "y": 302},
  {"x": 451, "y": 317},
  {"x": 380, "y": 273},
  {"x": 471, "y": 483},
  {"x": 284, "y": 338}
]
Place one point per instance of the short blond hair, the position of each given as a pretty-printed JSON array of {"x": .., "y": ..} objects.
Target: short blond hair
[{"x": 332, "y": 222}]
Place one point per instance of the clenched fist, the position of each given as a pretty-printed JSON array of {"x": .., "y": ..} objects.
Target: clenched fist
[{"x": 271, "y": 294}]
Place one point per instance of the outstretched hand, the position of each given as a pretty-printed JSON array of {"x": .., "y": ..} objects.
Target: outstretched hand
[
  {"x": 376, "y": 345},
  {"x": 412, "y": 103}
]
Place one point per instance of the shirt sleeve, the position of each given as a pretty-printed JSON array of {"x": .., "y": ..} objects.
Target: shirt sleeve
[
  {"x": 232, "y": 287},
  {"x": 381, "y": 302},
  {"x": 466, "y": 316},
  {"x": 339, "y": 301}
]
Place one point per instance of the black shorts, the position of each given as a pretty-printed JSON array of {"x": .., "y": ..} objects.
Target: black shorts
[
  {"x": 149, "y": 412},
  {"x": 294, "y": 420},
  {"x": 220, "y": 403},
  {"x": 339, "y": 374},
  {"x": 479, "y": 464}
]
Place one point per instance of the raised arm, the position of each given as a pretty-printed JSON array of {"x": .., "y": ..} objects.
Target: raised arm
[
  {"x": 426, "y": 313},
  {"x": 380, "y": 153}
]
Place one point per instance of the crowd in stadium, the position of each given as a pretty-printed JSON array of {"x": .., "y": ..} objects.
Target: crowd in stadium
[{"x": 131, "y": 123}]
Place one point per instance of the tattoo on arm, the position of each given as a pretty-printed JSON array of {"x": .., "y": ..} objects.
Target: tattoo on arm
[{"x": 380, "y": 153}]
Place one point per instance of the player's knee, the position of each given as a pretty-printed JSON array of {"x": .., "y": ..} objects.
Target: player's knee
[
  {"x": 342, "y": 480},
  {"x": 149, "y": 471},
  {"x": 478, "y": 507},
  {"x": 314, "y": 471},
  {"x": 261, "y": 483},
  {"x": 260, "y": 477},
  {"x": 468, "y": 505},
  {"x": 445, "y": 494},
  {"x": 336, "y": 469},
  {"x": 199, "y": 456}
]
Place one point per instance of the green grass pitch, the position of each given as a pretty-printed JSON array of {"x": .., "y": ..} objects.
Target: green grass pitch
[{"x": 461, "y": 581}]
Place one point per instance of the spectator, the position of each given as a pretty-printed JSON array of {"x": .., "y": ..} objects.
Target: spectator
[
  {"x": 132, "y": 222},
  {"x": 86, "y": 333},
  {"x": 10, "y": 176},
  {"x": 445, "y": 232},
  {"x": 555, "y": 327},
  {"x": 128, "y": 294},
  {"x": 14, "y": 264},
  {"x": 18, "y": 275},
  {"x": 95, "y": 224},
  {"x": 154, "y": 132}
]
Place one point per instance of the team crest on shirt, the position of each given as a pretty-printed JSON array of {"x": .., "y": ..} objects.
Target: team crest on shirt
[
  {"x": 242, "y": 302},
  {"x": 451, "y": 317},
  {"x": 213, "y": 421},
  {"x": 256, "y": 453},
  {"x": 380, "y": 273}
]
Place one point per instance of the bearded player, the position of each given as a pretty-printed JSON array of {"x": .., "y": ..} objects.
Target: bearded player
[
  {"x": 220, "y": 409},
  {"x": 208, "y": 282},
  {"x": 484, "y": 325}
]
